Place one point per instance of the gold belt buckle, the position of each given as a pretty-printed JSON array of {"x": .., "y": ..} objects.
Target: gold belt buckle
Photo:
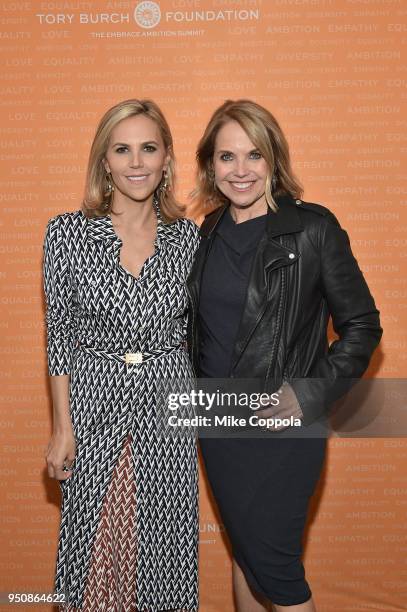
[{"x": 133, "y": 358}]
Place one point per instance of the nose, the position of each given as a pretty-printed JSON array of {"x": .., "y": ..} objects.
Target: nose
[
  {"x": 241, "y": 169},
  {"x": 136, "y": 160}
]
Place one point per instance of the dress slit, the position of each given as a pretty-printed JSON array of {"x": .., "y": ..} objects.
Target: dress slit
[{"x": 111, "y": 581}]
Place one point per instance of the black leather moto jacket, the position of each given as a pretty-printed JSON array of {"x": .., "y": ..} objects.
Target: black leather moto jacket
[{"x": 303, "y": 272}]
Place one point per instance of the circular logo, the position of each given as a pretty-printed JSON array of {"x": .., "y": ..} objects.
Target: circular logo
[{"x": 147, "y": 14}]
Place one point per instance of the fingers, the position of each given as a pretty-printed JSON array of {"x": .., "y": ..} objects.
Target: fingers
[
  {"x": 270, "y": 411},
  {"x": 271, "y": 423},
  {"x": 287, "y": 405},
  {"x": 60, "y": 470},
  {"x": 277, "y": 416},
  {"x": 60, "y": 455}
]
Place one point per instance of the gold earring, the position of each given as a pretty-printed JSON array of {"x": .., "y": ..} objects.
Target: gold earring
[
  {"x": 164, "y": 185},
  {"x": 109, "y": 184}
]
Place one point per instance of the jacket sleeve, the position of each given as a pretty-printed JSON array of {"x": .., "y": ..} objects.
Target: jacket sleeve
[
  {"x": 355, "y": 320},
  {"x": 192, "y": 239},
  {"x": 59, "y": 316}
]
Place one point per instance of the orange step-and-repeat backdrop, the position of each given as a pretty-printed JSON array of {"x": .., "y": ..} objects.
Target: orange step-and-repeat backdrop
[{"x": 334, "y": 74}]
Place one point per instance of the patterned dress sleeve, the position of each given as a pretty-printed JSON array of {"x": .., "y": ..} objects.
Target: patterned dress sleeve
[
  {"x": 192, "y": 238},
  {"x": 59, "y": 316}
]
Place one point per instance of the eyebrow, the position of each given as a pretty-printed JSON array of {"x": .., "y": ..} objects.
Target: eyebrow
[
  {"x": 227, "y": 150},
  {"x": 125, "y": 144}
]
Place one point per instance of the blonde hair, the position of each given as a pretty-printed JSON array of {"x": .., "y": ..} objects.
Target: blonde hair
[
  {"x": 265, "y": 133},
  {"x": 97, "y": 199}
]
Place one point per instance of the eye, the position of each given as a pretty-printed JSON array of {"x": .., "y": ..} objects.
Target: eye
[
  {"x": 226, "y": 156},
  {"x": 149, "y": 148},
  {"x": 121, "y": 150},
  {"x": 255, "y": 155}
]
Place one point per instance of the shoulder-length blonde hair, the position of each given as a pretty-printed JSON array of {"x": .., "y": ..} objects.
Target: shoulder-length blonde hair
[
  {"x": 97, "y": 201},
  {"x": 266, "y": 135}
]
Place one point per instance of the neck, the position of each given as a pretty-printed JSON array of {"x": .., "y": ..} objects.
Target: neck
[
  {"x": 128, "y": 212},
  {"x": 245, "y": 213}
]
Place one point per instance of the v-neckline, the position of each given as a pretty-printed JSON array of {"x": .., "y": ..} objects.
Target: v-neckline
[
  {"x": 142, "y": 269},
  {"x": 119, "y": 242}
]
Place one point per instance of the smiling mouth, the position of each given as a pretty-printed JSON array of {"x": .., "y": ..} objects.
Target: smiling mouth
[
  {"x": 137, "y": 178},
  {"x": 242, "y": 186}
]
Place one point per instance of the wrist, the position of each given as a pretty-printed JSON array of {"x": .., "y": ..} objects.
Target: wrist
[
  {"x": 62, "y": 426},
  {"x": 289, "y": 393}
]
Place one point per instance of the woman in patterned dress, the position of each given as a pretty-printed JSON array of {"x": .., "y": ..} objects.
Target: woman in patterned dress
[{"x": 114, "y": 277}]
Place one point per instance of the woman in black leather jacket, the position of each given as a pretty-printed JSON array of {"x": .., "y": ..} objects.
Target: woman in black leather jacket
[{"x": 269, "y": 272}]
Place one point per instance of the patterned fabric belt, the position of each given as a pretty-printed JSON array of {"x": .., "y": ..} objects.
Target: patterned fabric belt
[{"x": 131, "y": 358}]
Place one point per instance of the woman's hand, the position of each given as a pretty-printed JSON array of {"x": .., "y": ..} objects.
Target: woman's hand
[
  {"x": 287, "y": 407},
  {"x": 60, "y": 453}
]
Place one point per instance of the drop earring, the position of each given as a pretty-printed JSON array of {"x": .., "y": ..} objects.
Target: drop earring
[
  {"x": 109, "y": 184},
  {"x": 164, "y": 185}
]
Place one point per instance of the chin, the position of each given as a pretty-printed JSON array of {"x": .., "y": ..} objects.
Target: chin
[
  {"x": 245, "y": 202},
  {"x": 139, "y": 196}
]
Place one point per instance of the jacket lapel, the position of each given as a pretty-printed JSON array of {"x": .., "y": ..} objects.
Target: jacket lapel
[{"x": 270, "y": 257}]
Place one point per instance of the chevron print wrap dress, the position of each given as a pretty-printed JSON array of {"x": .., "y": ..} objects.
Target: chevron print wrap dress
[{"x": 128, "y": 534}]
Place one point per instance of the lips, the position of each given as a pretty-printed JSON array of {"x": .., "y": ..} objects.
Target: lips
[
  {"x": 137, "y": 178},
  {"x": 241, "y": 186}
]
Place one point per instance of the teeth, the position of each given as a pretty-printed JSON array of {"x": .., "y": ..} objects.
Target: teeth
[
  {"x": 241, "y": 185},
  {"x": 137, "y": 178}
]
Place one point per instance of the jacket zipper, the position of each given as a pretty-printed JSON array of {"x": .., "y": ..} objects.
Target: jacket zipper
[
  {"x": 260, "y": 314},
  {"x": 279, "y": 321}
]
